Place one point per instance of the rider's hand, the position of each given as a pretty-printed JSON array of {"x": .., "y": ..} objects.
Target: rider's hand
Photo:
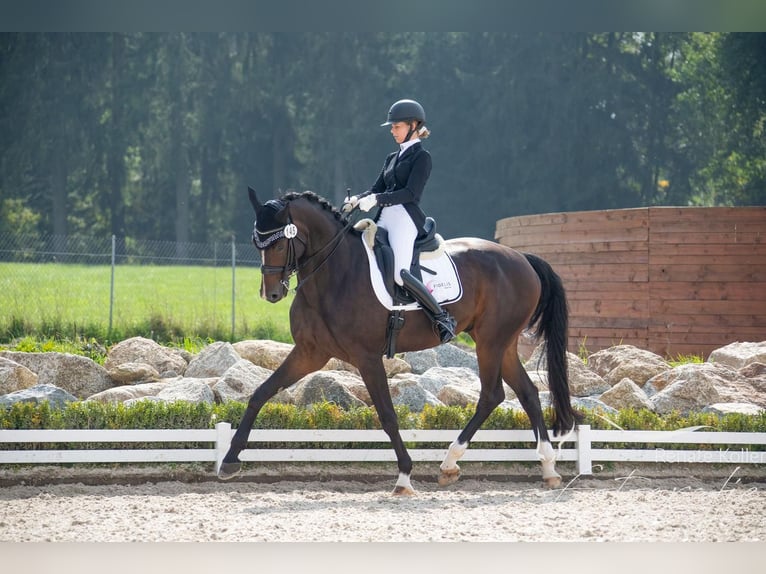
[
  {"x": 349, "y": 203},
  {"x": 368, "y": 202}
]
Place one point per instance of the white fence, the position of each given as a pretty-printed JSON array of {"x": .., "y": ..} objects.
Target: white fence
[{"x": 581, "y": 451}]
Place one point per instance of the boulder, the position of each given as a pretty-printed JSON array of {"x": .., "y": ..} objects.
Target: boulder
[
  {"x": 585, "y": 383},
  {"x": 437, "y": 377},
  {"x": 212, "y": 361},
  {"x": 263, "y": 353},
  {"x": 453, "y": 356},
  {"x": 730, "y": 385},
  {"x": 421, "y": 361},
  {"x": 326, "y": 386},
  {"x": 722, "y": 409},
  {"x": 132, "y": 373},
  {"x": 168, "y": 362},
  {"x": 15, "y": 377},
  {"x": 128, "y": 392},
  {"x": 408, "y": 392},
  {"x": 626, "y": 395},
  {"x": 626, "y": 361},
  {"x": 39, "y": 393},
  {"x": 240, "y": 381},
  {"x": 685, "y": 395},
  {"x": 75, "y": 374},
  {"x": 593, "y": 404},
  {"x": 753, "y": 370},
  {"x": 453, "y": 395},
  {"x": 738, "y": 355},
  {"x": 188, "y": 389}
]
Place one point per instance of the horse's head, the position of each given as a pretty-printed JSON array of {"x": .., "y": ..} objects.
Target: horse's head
[{"x": 274, "y": 234}]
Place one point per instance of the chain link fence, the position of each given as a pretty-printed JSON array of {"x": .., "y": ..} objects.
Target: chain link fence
[{"x": 107, "y": 283}]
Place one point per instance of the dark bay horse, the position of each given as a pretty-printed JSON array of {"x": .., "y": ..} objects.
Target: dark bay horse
[{"x": 335, "y": 314}]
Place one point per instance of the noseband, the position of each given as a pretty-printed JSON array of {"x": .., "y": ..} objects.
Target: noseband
[{"x": 292, "y": 266}]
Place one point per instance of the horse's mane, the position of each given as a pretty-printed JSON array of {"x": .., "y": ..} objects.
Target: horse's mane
[{"x": 316, "y": 199}]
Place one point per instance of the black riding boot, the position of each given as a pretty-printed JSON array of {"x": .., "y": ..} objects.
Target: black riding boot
[{"x": 440, "y": 318}]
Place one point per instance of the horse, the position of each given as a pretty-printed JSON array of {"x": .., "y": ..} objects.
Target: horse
[{"x": 335, "y": 313}]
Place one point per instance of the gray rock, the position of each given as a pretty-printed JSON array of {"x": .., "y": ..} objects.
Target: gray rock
[
  {"x": 40, "y": 393},
  {"x": 730, "y": 385},
  {"x": 722, "y": 409},
  {"x": 212, "y": 361},
  {"x": 626, "y": 395},
  {"x": 75, "y": 374},
  {"x": 326, "y": 386},
  {"x": 142, "y": 350},
  {"x": 408, "y": 392},
  {"x": 626, "y": 361},
  {"x": 263, "y": 353},
  {"x": 15, "y": 377},
  {"x": 453, "y": 395},
  {"x": 453, "y": 356},
  {"x": 421, "y": 361},
  {"x": 125, "y": 393},
  {"x": 130, "y": 373},
  {"x": 685, "y": 395},
  {"x": 437, "y": 377},
  {"x": 241, "y": 380},
  {"x": 188, "y": 389},
  {"x": 592, "y": 404},
  {"x": 738, "y": 355}
]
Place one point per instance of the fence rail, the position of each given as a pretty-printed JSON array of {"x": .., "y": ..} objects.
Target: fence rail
[{"x": 583, "y": 452}]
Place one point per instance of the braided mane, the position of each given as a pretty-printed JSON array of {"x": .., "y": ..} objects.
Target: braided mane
[{"x": 317, "y": 199}]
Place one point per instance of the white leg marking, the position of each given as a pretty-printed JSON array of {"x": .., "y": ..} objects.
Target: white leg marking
[
  {"x": 547, "y": 459},
  {"x": 455, "y": 452},
  {"x": 404, "y": 481}
]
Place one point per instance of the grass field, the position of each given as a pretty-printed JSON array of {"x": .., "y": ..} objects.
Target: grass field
[{"x": 167, "y": 303}]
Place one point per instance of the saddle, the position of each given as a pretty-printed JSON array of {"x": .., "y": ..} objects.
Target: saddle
[{"x": 426, "y": 244}]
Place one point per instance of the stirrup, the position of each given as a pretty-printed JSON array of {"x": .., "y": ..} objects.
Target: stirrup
[{"x": 446, "y": 325}]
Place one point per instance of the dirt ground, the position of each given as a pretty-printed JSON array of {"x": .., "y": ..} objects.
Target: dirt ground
[{"x": 327, "y": 503}]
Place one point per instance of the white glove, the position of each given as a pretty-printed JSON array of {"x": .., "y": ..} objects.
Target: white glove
[
  {"x": 368, "y": 202},
  {"x": 349, "y": 203}
]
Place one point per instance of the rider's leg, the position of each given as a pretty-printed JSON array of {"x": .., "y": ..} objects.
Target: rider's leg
[
  {"x": 402, "y": 233},
  {"x": 443, "y": 321}
]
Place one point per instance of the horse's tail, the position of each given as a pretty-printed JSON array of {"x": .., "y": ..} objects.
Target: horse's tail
[{"x": 552, "y": 319}]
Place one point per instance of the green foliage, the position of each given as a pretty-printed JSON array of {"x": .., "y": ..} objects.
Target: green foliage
[{"x": 52, "y": 304}]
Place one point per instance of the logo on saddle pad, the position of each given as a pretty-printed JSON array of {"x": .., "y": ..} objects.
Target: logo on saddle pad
[{"x": 437, "y": 269}]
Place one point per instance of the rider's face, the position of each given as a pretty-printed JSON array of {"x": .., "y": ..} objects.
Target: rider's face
[{"x": 399, "y": 131}]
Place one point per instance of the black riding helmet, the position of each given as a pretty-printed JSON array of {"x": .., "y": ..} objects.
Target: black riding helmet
[{"x": 406, "y": 111}]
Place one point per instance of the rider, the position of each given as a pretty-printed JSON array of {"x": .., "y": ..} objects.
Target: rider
[{"x": 398, "y": 190}]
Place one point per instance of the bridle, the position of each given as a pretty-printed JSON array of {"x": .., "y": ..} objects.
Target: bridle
[{"x": 292, "y": 265}]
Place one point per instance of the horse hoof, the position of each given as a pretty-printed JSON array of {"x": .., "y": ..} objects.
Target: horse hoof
[
  {"x": 552, "y": 482},
  {"x": 448, "y": 477},
  {"x": 403, "y": 491},
  {"x": 229, "y": 470}
]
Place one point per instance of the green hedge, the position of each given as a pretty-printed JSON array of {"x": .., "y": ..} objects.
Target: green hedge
[{"x": 185, "y": 415}]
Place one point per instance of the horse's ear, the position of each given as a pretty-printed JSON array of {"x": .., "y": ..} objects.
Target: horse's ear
[{"x": 254, "y": 199}]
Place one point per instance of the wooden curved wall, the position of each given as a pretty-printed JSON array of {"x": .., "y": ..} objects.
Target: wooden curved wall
[{"x": 673, "y": 280}]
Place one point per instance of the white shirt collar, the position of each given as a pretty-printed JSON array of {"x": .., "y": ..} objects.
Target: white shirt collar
[{"x": 403, "y": 147}]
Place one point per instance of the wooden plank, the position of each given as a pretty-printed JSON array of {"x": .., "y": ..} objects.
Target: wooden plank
[
  {"x": 586, "y": 289},
  {"x": 668, "y": 259},
  {"x": 553, "y": 236},
  {"x": 608, "y": 273},
  {"x": 626, "y": 257},
  {"x": 683, "y": 249},
  {"x": 701, "y": 290},
  {"x": 721, "y": 322},
  {"x": 610, "y": 308},
  {"x": 710, "y": 307},
  {"x": 640, "y": 213},
  {"x": 714, "y": 273},
  {"x": 671, "y": 214},
  {"x": 705, "y": 237}
]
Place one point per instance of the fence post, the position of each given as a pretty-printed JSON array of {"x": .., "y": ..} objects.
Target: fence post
[
  {"x": 111, "y": 286},
  {"x": 222, "y": 441},
  {"x": 233, "y": 282},
  {"x": 584, "y": 455}
]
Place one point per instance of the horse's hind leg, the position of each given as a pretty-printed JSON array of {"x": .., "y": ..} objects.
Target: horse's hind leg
[
  {"x": 491, "y": 395},
  {"x": 518, "y": 379}
]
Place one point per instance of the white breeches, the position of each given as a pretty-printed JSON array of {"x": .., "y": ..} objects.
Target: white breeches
[{"x": 402, "y": 233}]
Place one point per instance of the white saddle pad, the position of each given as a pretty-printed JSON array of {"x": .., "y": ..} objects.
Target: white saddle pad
[{"x": 444, "y": 283}]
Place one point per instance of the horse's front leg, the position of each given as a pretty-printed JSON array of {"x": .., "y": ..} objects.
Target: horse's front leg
[
  {"x": 296, "y": 365},
  {"x": 374, "y": 375}
]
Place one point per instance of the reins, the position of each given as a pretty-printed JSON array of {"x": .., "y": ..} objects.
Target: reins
[{"x": 292, "y": 266}]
